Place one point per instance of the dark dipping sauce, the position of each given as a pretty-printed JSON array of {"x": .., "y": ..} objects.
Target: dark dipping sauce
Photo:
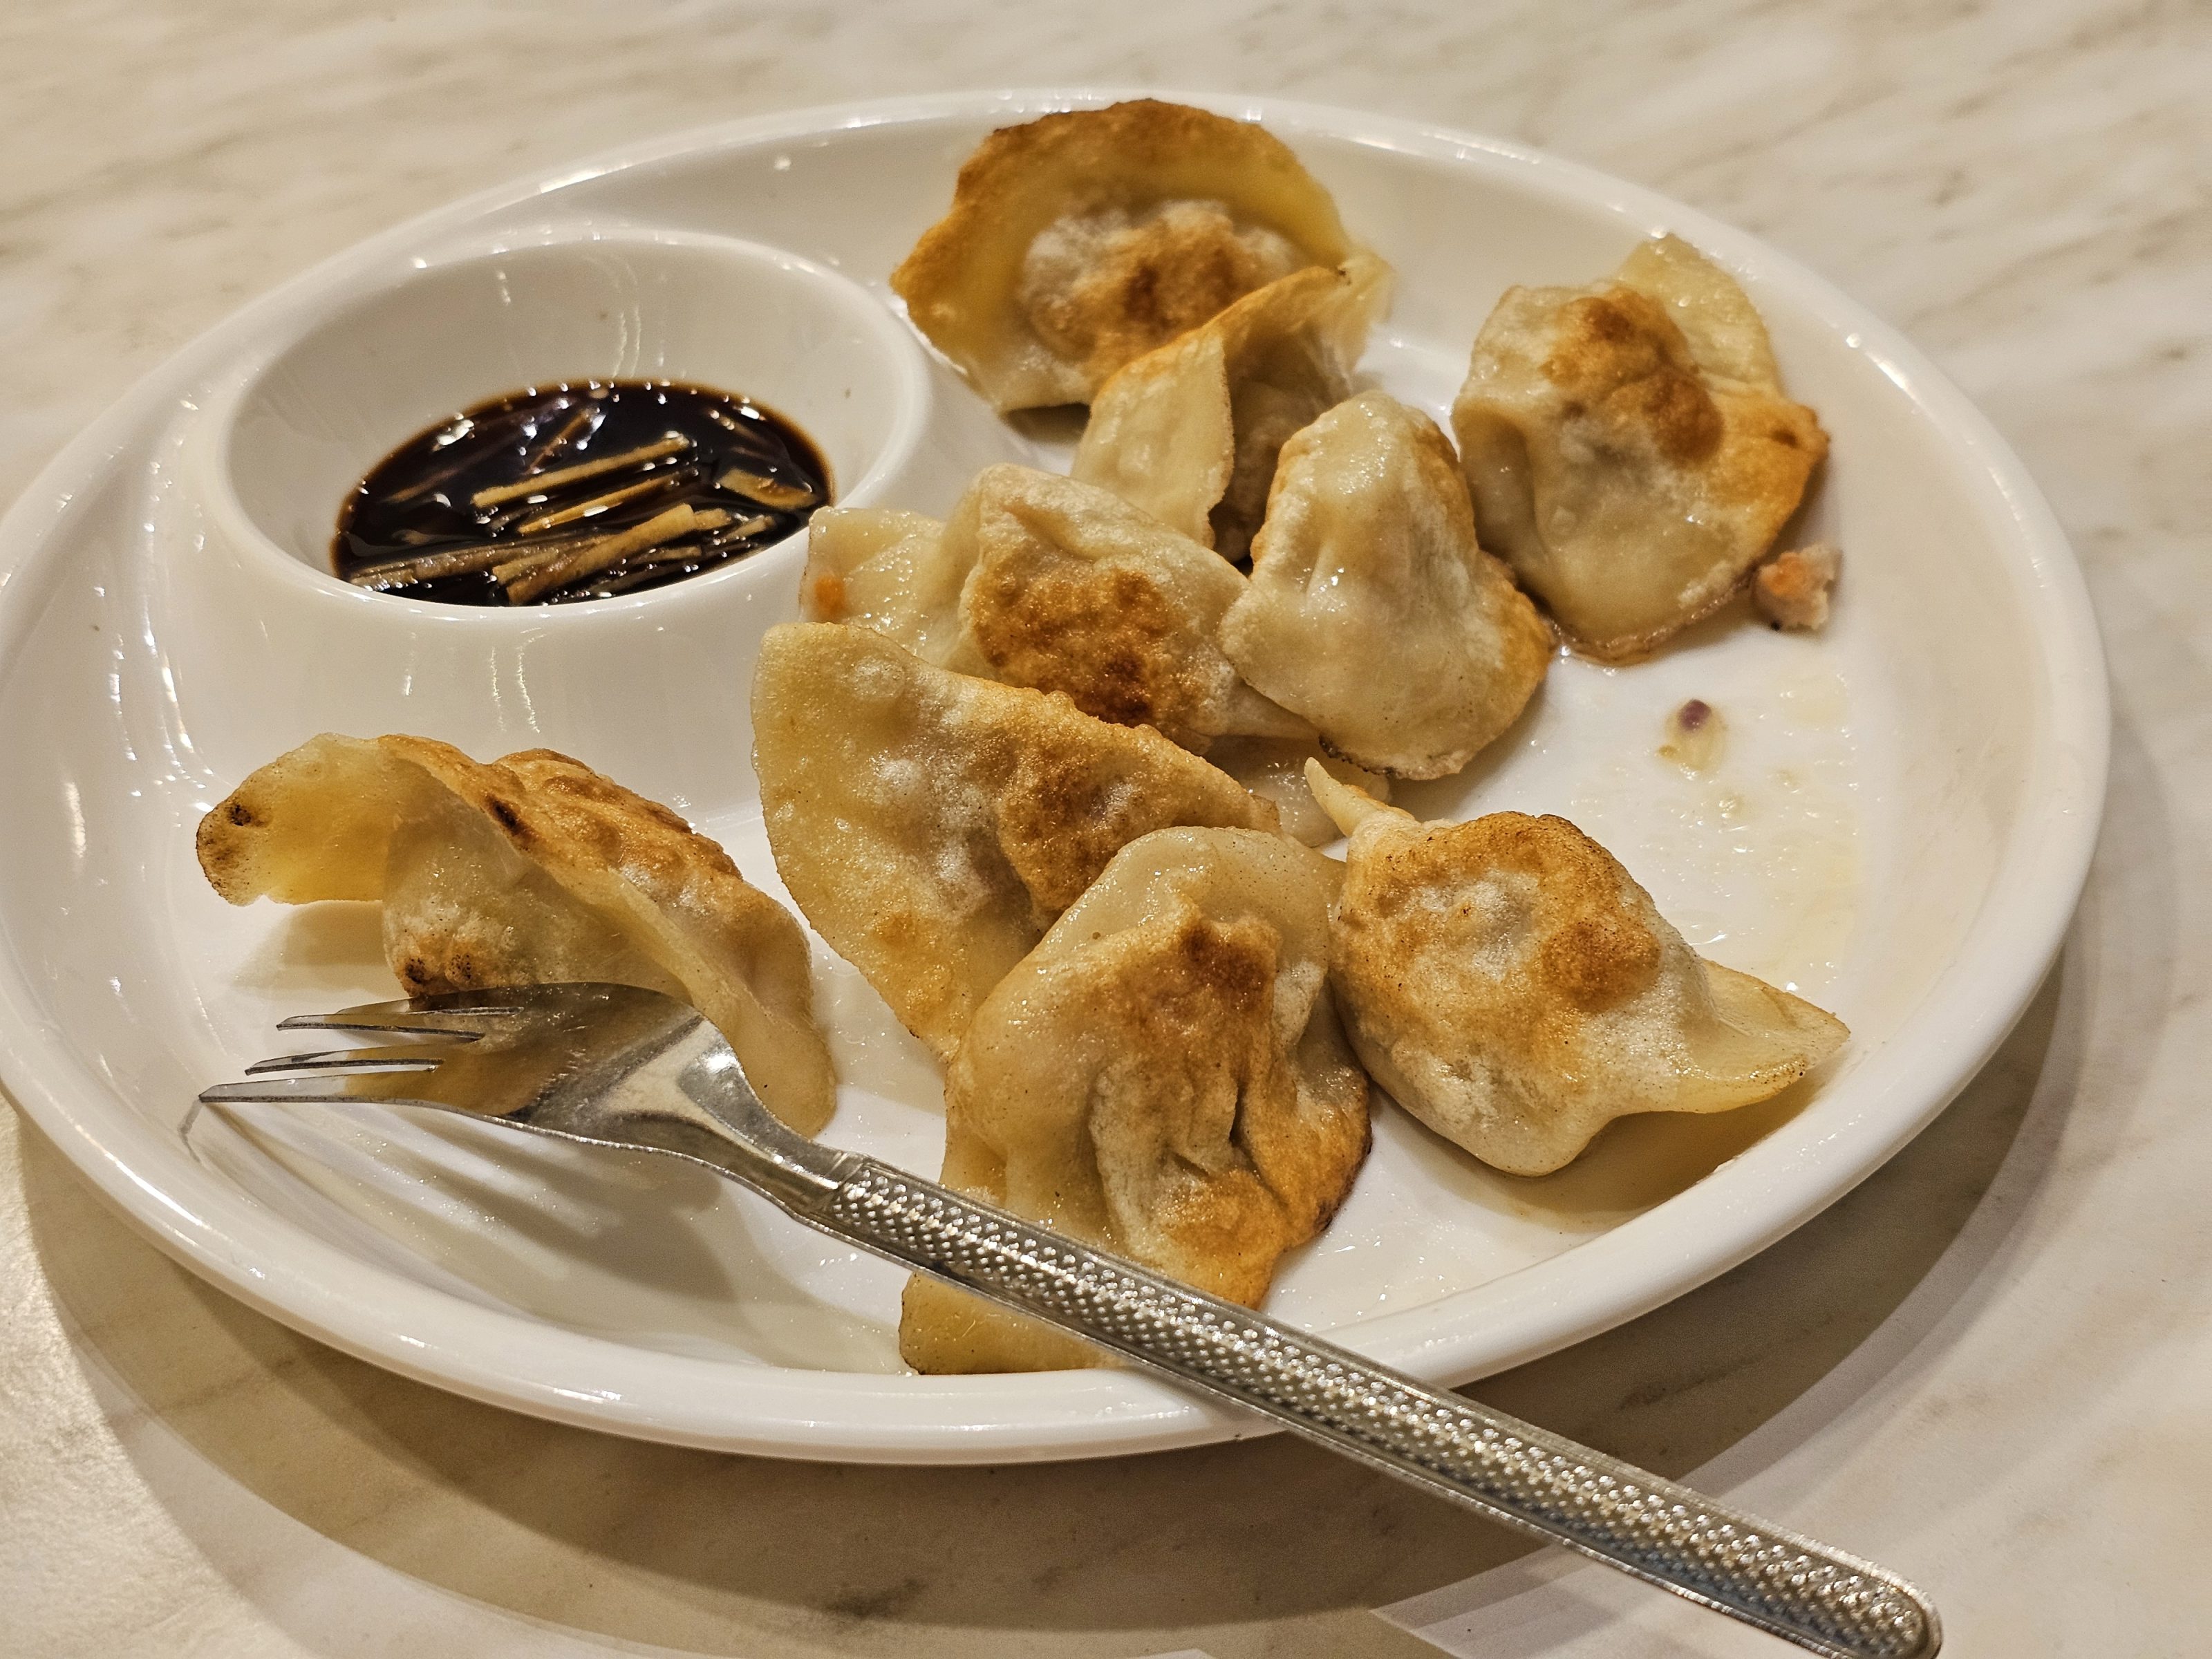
[{"x": 487, "y": 507}]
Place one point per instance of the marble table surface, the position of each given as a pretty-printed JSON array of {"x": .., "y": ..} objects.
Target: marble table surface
[{"x": 1991, "y": 1366}]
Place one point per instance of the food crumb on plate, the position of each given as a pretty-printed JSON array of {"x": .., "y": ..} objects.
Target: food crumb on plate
[
  {"x": 1790, "y": 590},
  {"x": 1696, "y": 735}
]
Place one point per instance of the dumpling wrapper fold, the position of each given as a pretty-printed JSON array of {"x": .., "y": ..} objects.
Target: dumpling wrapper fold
[
  {"x": 931, "y": 825},
  {"x": 1037, "y": 579},
  {"x": 1371, "y": 609},
  {"x": 532, "y": 869},
  {"x": 1078, "y": 242},
  {"x": 1164, "y": 1076},
  {"x": 1629, "y": 447},
  {"x": 1042, "y": 581},
  {"x": 1191, "y": 432},
  {"x": 1510, "y": 985}
]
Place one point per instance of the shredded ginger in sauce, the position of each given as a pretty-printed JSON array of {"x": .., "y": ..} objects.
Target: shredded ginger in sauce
[{"x": 578, "y": 491}]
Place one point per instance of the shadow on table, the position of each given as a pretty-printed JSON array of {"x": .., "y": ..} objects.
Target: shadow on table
[{"x": 1263, "y": 1547}]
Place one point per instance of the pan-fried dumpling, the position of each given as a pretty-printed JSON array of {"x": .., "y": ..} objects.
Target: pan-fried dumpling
[
  {"x": 1078, "y": 242},
  {"x": 1163, "y": 1076},
  {"x": 1042, "y": 581},
  {"x": 1514, "y": 989},
  {"x": 1629, "y": 447},
  {"x": 1191, "y": 432},
  {"x": 1371, "y": 611},
  {"x": 529, "y": 870},
  {"x": 931, "y": 825}
]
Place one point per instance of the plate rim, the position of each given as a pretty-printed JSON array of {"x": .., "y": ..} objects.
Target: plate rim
[{"x": 379, "y": 1314}]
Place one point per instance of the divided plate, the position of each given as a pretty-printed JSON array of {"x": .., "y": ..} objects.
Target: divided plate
[{"x": 1898, "y": 830}]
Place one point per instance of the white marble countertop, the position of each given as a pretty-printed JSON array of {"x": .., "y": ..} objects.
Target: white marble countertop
[{"x": 1990, "y": 1367}]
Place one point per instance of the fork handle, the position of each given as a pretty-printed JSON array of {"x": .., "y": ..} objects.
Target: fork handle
[{"x": 1790, "y": 1586}]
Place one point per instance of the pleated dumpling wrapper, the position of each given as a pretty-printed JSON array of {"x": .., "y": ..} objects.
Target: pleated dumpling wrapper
[
  {"x": 1510, "y": 985},
  {"x": 1371, "y": 609},
  {"x": 1078, "y": 242},
  {"x": 532, "y": 869},
  {"x": 1191, "y": 432},
  {"x": 1039, "y": 580},
  {"x": 931, "y": 825},
  {"x": 1163, "y": 1076},
  {"x": 1630, "y": 450}
]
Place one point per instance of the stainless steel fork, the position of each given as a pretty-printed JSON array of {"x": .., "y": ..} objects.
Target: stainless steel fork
[{"x": 613, "y": 1065}]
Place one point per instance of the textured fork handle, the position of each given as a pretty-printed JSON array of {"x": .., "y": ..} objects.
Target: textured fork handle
[{"x": 1790, "y": 1586}]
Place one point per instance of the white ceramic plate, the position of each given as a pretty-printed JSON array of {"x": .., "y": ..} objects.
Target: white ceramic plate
[{"x": 1900, "y": 829}]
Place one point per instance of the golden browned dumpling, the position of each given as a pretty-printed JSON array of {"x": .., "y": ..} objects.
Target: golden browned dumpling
[
  {"x": 1371, "y": 611},
  {"x": 1039, "y": 580},
  {"x": 931, "y": 825},
  {"x": 1074, "y": 590},
  {"x": 1191, "y": 432},
  {"x": 1163, "y": 1076},
  {"x": 530, "y": 870},
  {"x": 1078, "y": 242},
  {"x": 1630, "y": 450},
  {"x": 1514, "y": 989}
]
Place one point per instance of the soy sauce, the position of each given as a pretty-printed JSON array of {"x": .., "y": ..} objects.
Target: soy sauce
[{"x": 489, "y": 508}]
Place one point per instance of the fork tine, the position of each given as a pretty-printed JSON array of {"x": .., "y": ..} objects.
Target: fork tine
[
  {"x": 504, "y": 1053},
  {"x": 487, "y": 1010},
  {"x": 467, "y": 1014},
  {"x": 402, "y": 1057},
  {"x": 325, "y": 1085}
]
